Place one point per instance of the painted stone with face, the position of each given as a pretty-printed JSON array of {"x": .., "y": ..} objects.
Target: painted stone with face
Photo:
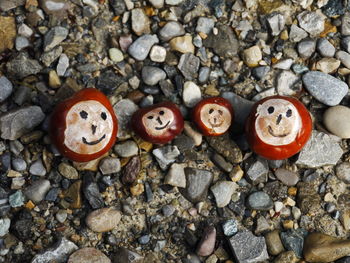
[
  {"x": 213, "y": 116},
  {"x": 84, "y": 127},
  {"x": 159, "y": 123},
  {"x": 278, "y": 127}
]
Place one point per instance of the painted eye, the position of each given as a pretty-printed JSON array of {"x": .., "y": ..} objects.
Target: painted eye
[
  {"x": 83, "y": 114},
  {"x": 161, "y": 112},
  {"x": 289, "y": 113},
  {"x": 103, "y": 116},
  {"x": 220, "y": 112},
  {"x": 211, "y": 111},
  {"x": 150, "y": 117},
  {"x": 270, "y": 110}
]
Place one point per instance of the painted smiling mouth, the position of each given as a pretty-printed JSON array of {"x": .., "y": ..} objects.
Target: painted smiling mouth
[
  {"x": 276, "y": 135},
  {"x": 162, "y": 127},
  {"x": 215, "y": 125},
  {"x": 93, "y": 142}
]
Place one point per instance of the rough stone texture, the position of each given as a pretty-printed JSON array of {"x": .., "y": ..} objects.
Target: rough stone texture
[
  {"x": 170, "y": 30},
  {"x": 109, "y": 165},
  {"x": 88, "y": 255},
  {"x": 274, "y": 243},
  {"x": 336, "y": 121},
  {"x": 124, "y": 109},
  {"x": 225, "y": 43},
  {"x": 191, "y": 94},
  {"x": 166, "y": 155},
  {"x": 68, "y": 171},
  {"x": 320, "y": 150},
  {"x": 152, "y": 75},
  {"x": 23, "y": 66},
  {"x": 223, "y": 191},
  {"x": 6, "y": 5},
  {"x": 5, "y": 88},
  {"x": 287, "y": 177},
  {"x": 226, "y": 147},
  {"x": 286, "y": 257},
  {"x": 103, "y": 220},
  {"x": 257, "y": 247},
  {"x": 342, "y": 171},
  {"x": 189, "y": 65},
  {"x": 197, "y": 184},
  {"x": 37, "y": 191},
  {"x": 325, "y": 88},
  {"x": 308, "y": 199},
  {"x": 124, "y": 255},
  {"x": 311, "y": 22},
  {"x": 259, "y": 201},
  {"x": 176, "y": 175},
  {"x": 207, "y": 243},
  {"x": 324, "y": 248},
  {"x": 241, "y": 105},
  {"x": 126, "y": 149},
  {"x": 294, "y": 240},
  {"x": 16, "y": 123},
  {"x": 58, "y": 253},
  {"x": 140, "y": 22},
  {"x": 7, "y": 32},
  {"x": 257, "y": 171},
  {"x": 140, "y": 48},
  {"x": 54, "y": 37}
]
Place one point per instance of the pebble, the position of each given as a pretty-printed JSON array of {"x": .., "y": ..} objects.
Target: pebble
[
  {"x": 88, "y": 255},
  {"x": 274, "y": 243},
  {"x": 124, "y": 109},
  {"x": 230, "y": 227},
  {"x": 118, "y": 6},
  {"x": 152, "y": 75},
  {"x": 327, "y": 65},
  {"x": 25, "y": 31},
  {"x": 276, "y": 23},
  {"x": 5, "y": 88},
  {"x": 296, "y": 33},
  {"x": 37, "y": 190},
  {"x": 103, "y": 220},
  {"x": 286, "y": 257},
  {"x": 37, "y": 168},
  {"x": 62, "y": 65},
  {"x": 92, "y": 192},
  {"x": 293, "y": 240},
  {"x": 143, "y": 240},
  {"x": 320, "y": 150},
  {"x": 207, "y": 243},
  {"x": 54, "y": 37},
  {"x": 257, "y": 171},
  {"x": 182, "y": 44},
  {"x": 222, "y": 191},
  {"x": 345, "y": 25},
  {"x": 205, "y": 25},
  {"x": 345, "y": 42},
  {"x": 21, "y": 43},
  {"x": 131, "y": 170},
  {"x": 109, "y": 165},
  {"x": 324, "y": 87},
  {"x": 306, "y": 48},
  {"x": 57, "y": 8},
  {"x": 166, "y": 155},
  {"x": 22, "y": 66},
  {"x": 126, "y": 149},
  {"x": 342, "y": 171},
  {"x": 168, "y": 210},
  {"x": 189, "y": 65},
  {"x": 252, "y": 56},
  {"x": 127, "y": 256},
  {"x": 68, "y": 171},
  {"x": 325, "y": 48},
  {"x": 158, "y": 54},
  {"x": 203, "y": 74},
  {"x": 176, "y": 175},
  {"x": 192, "y": 133},
  {"x": 257, "y": 247},
  {"x": 311, "y": 22},
  {"x": 173, "y": 2},
  {"x": 19, "y": 164},
  {"x": 170, "y": 30},
  {"x": 287, "y": 177},
  {"x": 335, "y": 120},
  {"x": 140, "y": 48},
  {"x": 8, "y": 5},
  {"x": 49, "y": 57},
  {"x": 116, "y": 55},
  {"x": 140, "y": 22},
  {"x": 191, "y": 94},
  {"x": 344, "y": 58},
  {"x": 286, "y": 83},
  {"x": 61, "y": 215},
  {"x": 7, "y": 36},
  {"x": 16, "y": 199},
  {"x": 222, "y": 163},
  {"x": 226, "y": 147},
  {"x": 319, "y": 247},
  {"x": 197, "y": 184},
  {"x": 59, "y": 252},
  {"x": 4, "y": 226},
  {"x": 283, "y": 64},
  {"x": 54, "y": 80},
  {"x": 260, "y": 201}
]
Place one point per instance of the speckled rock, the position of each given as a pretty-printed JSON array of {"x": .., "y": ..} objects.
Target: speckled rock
[
  {"x": 226, "y": 147},
  {"x": 287, "y": 177},
  {"x": 88, "y": 255},
  {"x": 103, "y": 220},
  {"x": 223, "y": 191},
  {"x": 259, "y": 201},
  {"x": 140, "y": 48},
  {"x": 274, "y": 243},
  {"x": 37, "y": 190},
  {"x": 286, "y": 257}
]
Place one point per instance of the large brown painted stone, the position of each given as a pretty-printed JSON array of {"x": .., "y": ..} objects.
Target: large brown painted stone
[{"x": 323, "y": 248}]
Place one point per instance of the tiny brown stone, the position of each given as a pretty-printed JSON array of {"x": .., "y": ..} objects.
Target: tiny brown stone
[
  {"x": 324, "y": 248},
  {"x": 131, "y": 170},
  {"x": 73, "y": 194}
]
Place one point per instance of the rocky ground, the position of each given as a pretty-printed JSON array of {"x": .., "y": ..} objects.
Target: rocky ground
[{"x": 195, "y": 199}]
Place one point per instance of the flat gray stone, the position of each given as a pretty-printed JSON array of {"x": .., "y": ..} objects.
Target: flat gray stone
[
  {"x": 170, "y": 30},
  {"x": 5, "y": 88},
  {"x": 325, "y": 48},
  {"x": 320, "y": 150},
  {"x": 248, "y": 248},
  {"x": 257, "y": 171},
  {"x": 325, "y": 88},
  {"x": 37, "y": 168},
  {"x": 189, "y": 65},
  {"x": 306, "y": 48},
  {"x": 176, "y": 175},
  {"x": 124, "y": 109},
  {"x": 197, "y": 184},
  {"x": 296, "y": 33},
  {"x": 223, "y": 191},
  {"x": 58, "y": 253},
  {"x": 166, "y": 155},
  {"x": 286, "y": 83},
  {"x": 152, "y": 75},
  {"x": 140, "y": 48},
  {"x": 18, "y": 122},
  {"x": 205, "y": 25},
  {"x": 6, "y": 5},
  {"x": 311, "y": 22},
  {"x": 126, "y": 149},
  {"x": 259, "y": 201},
  {"x": 109, "y": 165},
  {"x": 276, "y": 23},
  {"x": 54, "y": 37},
  {"x": 344, "y": 58},
  {"x": 23, "y": 66},
  {"x": 345, "y": 25},
  {"x": 37, "y": 190}
]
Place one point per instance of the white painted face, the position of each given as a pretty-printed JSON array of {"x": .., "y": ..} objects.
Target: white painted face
[
  {"x": 158, "y": 121},
  {"x": 278, "y": 122},
  {"x": 89, "y": 127},
  {"x": 216, "y": 117}
]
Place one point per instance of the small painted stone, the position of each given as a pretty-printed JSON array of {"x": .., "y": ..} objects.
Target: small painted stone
[
  {"x": 159, "y": 123},
  {"x": 213, "y": 116},
  {"x": 84, "y": 127},
  {"x": 278, "y": 127}
]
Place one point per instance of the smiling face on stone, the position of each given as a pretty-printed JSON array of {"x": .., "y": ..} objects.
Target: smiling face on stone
[
  {"x": 158, "y": 121},
  {"x": 89, "y": 127},
  {"x": 278, "y": 122},
  {"x": 216, "y": 117}
]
